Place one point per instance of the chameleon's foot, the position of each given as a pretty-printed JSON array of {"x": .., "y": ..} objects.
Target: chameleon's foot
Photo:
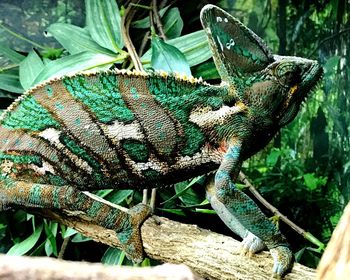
[
  {"x": 283, "y": 261},
  {"x": 130, "y": 235},
  {"x": 251, "y": 244}
]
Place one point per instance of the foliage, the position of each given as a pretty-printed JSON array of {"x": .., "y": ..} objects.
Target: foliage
[{"x": 304, "y": 173}]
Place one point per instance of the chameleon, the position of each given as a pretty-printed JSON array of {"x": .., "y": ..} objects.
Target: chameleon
[{"x": 119, "y": 129}]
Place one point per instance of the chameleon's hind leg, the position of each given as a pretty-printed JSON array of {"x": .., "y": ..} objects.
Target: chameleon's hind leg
[{"x": 125, "y": 223}]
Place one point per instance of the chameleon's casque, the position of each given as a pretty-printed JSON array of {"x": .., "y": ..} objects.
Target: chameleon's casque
[{"x": 120, "y": 129}]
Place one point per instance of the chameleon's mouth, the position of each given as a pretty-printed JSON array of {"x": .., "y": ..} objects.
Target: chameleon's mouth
[{"x": 311, "y": 77}]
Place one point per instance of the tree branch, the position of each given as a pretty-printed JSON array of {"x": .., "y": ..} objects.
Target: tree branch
[
  {"x": 211, "y": 255},
  {"x": 42, "y": 268}
]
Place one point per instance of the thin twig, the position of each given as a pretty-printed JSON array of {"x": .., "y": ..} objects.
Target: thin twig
[
  {"x": 158, "y": 20},
  {"x": 125, "y": 25},
  {"x": 63, "y": 248},
  {"x": 341, "y": 32},
  {"x": 278, "y": 214},
  {"x": 144, "y": 43}
]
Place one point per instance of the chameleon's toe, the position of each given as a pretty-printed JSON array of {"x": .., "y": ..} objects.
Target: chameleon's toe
[
  {"x": 130, "y": 236},
  {"x": 252, "y": 244},
  {"x": 283, "y": 261}
]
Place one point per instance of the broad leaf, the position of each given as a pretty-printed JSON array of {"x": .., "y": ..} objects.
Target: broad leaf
[
  {"x": 103, "y": 21},
  {"x": 29, "y": 69},
  {"x": 194, "y": 46},
  {"x": 172, "y": 23},
  {"x": 10, "y": 82},
  {"x": 12, "y": 55},
  {"x": 26, "y": 245},
  {"x": 118, "y": 196},
  {"x": 75, "y": 39},
  {"x": 75, "y": 63},
  {"x": 168, "y": 58}
]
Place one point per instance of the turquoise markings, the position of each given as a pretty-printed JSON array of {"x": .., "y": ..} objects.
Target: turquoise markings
[
  {"x": 49, "y": 91},
  {"x": 30, "y": 115},
  {"x": 35, "y": 197},
  {"x": 59, "y": 106},
  {"x": 134, "y": 93},
  {"x": 101, "y": 95},
  {"x": 18, "y": 159}
]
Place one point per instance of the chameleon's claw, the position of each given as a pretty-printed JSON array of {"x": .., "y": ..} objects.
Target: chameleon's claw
[
  {"x": 252, "y": 244},
  {"x": 283, "y": 261}
]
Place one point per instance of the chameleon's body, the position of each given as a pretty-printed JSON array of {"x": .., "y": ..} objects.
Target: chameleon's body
[{"x": 135, "y": 130}]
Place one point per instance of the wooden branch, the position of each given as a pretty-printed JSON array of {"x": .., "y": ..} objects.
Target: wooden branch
[
  {"x": 211, "y": 255},
  {"x": 43, "y": 268}
]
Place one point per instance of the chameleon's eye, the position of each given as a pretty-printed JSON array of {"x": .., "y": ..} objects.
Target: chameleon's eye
[{"x": 288, "y": 74}]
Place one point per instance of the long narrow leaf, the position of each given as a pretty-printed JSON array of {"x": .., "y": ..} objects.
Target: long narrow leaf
[
  {"x": 75, "y": 63},
  {"x": 10, "y": 82},
  {"x": 194, "y": 46},
  {"x": 12, "y": 55},
  {"x": 29, "y": 69},
  {"x": 23, "y": 247},
  {"x": 75, "y": 39},
  {"x": 104, "y": 23}
]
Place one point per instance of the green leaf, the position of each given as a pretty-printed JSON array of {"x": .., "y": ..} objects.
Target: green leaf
[
  {"x": 118, "y": 196},
  {"x": 188, "y": 196},
  {"x": 12, "y": 55},
  {"x": 194, "y": 46},
  {"x": 103, "y": 21},
  {"x": 206, "y": 70},
  {"x": 24, "y": 246},
  {"x": 78, "y": 238},
  {"x": 168, "y": 58},
  {"x": 69, "y": 232},
  {"x": 312, "y": 182},
  {"x": 199, "y": 180},
  {"x": 75, "y": 63},
  {"x": 11, "y": 83},
  {"x": 113, "y": 256},
  {"x": 29, "y": 69},
  {"x": 273, "y": 157},
  {"x": 75, "y": 39},
  {"x": 172, "y": 23},
  {"x": 331, "y": 64}
]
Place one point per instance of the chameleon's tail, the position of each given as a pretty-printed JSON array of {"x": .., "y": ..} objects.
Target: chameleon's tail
[
  {"x": 130, "y": 235},
  {"x": 126, "y": 223}
]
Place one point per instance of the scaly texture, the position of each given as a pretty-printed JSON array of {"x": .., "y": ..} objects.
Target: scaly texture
[{"x": 120, "y": 129}]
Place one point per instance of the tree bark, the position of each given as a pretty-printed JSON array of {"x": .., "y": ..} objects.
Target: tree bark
[{"x": 210, "y": 255}]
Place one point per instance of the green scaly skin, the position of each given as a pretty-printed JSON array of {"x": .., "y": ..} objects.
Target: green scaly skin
[{"x": 119, "y": 129}]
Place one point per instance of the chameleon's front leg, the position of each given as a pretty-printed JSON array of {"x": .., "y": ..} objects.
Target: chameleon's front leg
[{"x": 235, "y": 206}]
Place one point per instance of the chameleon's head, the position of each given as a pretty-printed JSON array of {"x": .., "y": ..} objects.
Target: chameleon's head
[
  {"x": 271, "y": 85},
  {"x": 277, "y": 91}
]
